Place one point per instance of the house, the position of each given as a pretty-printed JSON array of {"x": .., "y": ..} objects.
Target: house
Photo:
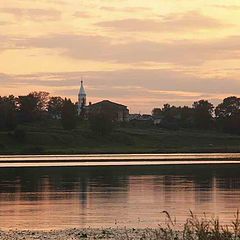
[{"x": 118, "y": 112}]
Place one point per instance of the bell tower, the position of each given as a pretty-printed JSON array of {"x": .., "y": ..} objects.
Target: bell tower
[{"x": 82, "y": 98}]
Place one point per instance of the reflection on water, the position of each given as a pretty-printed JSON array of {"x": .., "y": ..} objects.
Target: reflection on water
[{"x": 46, "y": 198}]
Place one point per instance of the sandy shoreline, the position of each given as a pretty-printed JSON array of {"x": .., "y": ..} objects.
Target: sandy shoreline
[
  {"x": 74, "y": 234},
  {"x": 194, "y": 229}
]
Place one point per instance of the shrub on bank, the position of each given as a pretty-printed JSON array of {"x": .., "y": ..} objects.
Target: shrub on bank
[
  {"x": 19, "y": 134},
  {"x": 33, "y": 150},
  {"x": 101, "y": 124}
]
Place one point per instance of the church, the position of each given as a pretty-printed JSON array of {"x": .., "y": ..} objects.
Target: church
[
  {"x": 119, "y": 112},
  {"x": 82, "y": 98}
]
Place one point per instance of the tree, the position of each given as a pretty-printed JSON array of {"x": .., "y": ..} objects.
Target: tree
[
  {"x": 186, "y": 117},
  {"x": 156, "y": 112},
  {"x": 10, "y": 100},
  {"x": 8, "y": 119},
  {"x": 203, "y": 111},
  {"x": 33, "y": 106},
  {"x": 69, "y": 115},
  {"x": 55, "y": 105},
  {"x": 170, "y": 113},
  {"x": 228, "y": 115},
  {"x": 170, "y": 117},
  {"x": 28, "y": 107},
  {"x": 41, "y": 99},
  {"x": 173, "y": 117}
]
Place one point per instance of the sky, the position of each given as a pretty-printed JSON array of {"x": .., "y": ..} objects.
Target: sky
[{"x": 141, "y": 53}]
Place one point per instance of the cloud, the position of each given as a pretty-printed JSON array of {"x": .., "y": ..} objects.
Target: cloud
[
  {"x": 98, "y": 48},
  {"x": 227, "y": 7},
  {"x": 80, "y": 14},
  {"x": 34, "y": 14},
  {"x": 139, "y": 89},
  {"x": 3, "y": 23},
  {"x": 6, "y": 42},
  {"x": 173, "y": 23},
  {"x": 3, "y": 77},
  {"x": 155, "y": 80},
  {"x": 91, "y": 47},
  {"x": 125, "y": 9}
]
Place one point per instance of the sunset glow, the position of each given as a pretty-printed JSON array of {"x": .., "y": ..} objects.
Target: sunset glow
[{"x": 140, "y": 53}]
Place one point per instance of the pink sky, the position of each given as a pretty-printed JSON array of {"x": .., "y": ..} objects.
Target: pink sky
[{"x": 139, "y": 53}]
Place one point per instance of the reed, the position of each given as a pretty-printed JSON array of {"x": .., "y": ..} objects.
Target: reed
[{"x": 196, "y": 228}]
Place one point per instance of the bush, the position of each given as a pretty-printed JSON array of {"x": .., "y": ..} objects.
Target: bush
[
  {"x": 2, "y": 146},
  {"x": 8, "y": 120},
  {"x": 122, "y": 139},
  {"x": 101, "y": 124},
  {"x": 33, "y": 150},
  {"x": 170, "y": 125},
  {"x": 19, "y": 134},
  {"x": 68, "y": 115}
]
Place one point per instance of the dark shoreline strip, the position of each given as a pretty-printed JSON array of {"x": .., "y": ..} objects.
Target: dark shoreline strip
[{"x": 122, "y": 160}]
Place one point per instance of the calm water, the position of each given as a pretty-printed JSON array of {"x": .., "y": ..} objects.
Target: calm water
[{"x": 66, "y": 197}]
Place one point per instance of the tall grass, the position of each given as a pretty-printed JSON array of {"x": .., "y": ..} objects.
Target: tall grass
[{"x": 196, "y": 228}]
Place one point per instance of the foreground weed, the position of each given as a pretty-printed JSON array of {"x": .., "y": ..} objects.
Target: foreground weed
[{"x": 198, "y": 228}]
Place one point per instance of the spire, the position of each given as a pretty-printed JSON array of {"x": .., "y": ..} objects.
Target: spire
[
  {"x": 81, "y": 98},
  {"x": 82, "y": 90}
]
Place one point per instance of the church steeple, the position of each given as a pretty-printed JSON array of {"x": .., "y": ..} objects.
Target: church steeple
[
  {"x": 82, "y": 90},
  {"x": 82, "y": 97}
]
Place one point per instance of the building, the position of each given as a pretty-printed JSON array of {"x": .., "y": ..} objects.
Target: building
[
  {"x": 118, "y": 112},
  {"x": 82, "y": 99},
  {"x": 134, "y": 116},
  {"x": 157, "y": 120},
  {"x": 139, "y": 117}
]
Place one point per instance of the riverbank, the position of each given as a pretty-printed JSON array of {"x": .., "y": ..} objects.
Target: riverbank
[
  {"x": 113, "y": 234},
  {"x": 193, "y": 229},
  {"x": 74, "y": 234},
  {"x": 50, "y": 138}
]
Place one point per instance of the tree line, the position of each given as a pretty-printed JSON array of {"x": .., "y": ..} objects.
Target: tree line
[
  {"x": 34, "y": 107},
  {"x": 40, "y": 105},
  {"x": 202, "y": 115}
]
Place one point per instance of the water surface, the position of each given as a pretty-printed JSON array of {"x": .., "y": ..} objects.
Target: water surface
[{"x": 131, "y": 196}]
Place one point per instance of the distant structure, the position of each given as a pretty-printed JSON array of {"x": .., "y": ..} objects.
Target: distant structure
[
  {"x": 140, "y": 117},
  {"x": 119, "y": 112},
  {"x": 82, "y": 99}
]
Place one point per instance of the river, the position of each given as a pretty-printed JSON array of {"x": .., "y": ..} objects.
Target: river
[{"x": 131, "y": 195}]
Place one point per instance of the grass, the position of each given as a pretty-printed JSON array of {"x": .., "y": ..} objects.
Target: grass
[
  {"x": 198, "y": 229},
  {"x": 49, "y": 138}
]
